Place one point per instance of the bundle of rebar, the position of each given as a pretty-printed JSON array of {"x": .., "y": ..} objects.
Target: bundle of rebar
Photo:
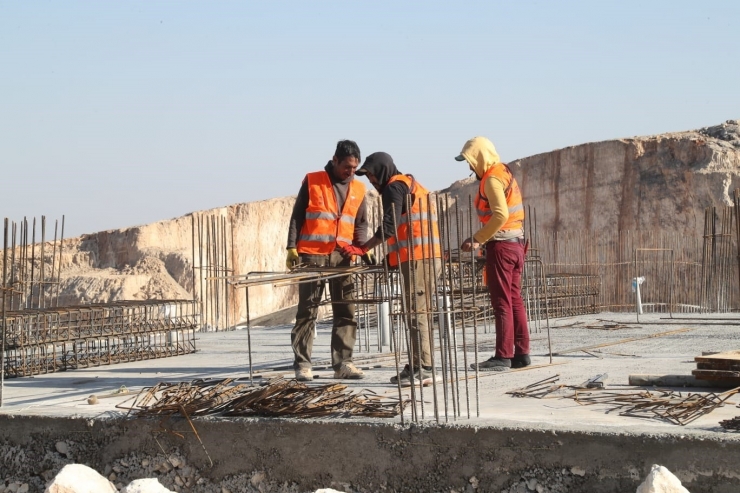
[{"x": 278, "y": 398}]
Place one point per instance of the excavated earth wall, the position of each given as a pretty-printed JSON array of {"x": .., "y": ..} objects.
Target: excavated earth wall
[
  {"x": 662, "y": 182},
  {"x": 284, "y": 455},
  {"x": 659, "y": 182}
]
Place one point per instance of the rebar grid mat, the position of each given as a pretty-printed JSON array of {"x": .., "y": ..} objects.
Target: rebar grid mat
[
  {"x": 732, "y": 424},
  {"x": 278, "y": 398},
  {"x": 57, "y": 339}
]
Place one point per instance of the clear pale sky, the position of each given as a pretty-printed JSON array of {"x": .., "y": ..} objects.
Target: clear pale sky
[{"x": 124, "y": 113}]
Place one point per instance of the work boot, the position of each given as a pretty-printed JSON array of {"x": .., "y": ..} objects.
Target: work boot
[
  {"x": 520, "y": 361},
  {"x": 349, "y": 371},
  {"x": 493, "y": 364},
  {"x": 304, "y": 374},
  {"x": 423, "y": 377},
  {"x": 404, "y": 374}
]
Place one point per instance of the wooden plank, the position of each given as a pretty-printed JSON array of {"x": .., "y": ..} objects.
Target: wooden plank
[
  {"x": 719, "y": 365},
  {"x": 716, "y": 375},
  {"x": 724, "y": 356}
]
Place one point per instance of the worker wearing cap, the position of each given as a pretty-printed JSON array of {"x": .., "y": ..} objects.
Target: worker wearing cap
[
  {"x": 329, "y": 214},
  {"x": 500, "y": 209},
  {"x": 413, "y": 245}
]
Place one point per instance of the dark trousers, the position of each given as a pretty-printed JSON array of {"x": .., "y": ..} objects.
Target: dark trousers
[
  {"x": 344, "y": 329},
  {"x": 504, "y": 266}
]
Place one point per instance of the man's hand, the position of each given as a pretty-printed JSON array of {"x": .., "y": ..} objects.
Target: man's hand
[
  {"x": 350, "y": 250},
  {"x": 291, "y": 258},
  {"x": 369, "y": 259},
  {"x": 469, "y": 245}
]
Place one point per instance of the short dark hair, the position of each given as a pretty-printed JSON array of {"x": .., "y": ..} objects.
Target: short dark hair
[{"x": 347, "y": 148}]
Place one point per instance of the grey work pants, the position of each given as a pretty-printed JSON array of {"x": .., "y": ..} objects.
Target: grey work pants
[
  {"x": 418, "y": 287},
  {"x": 344, "y": 328}
]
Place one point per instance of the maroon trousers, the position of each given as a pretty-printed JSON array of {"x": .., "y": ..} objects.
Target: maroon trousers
[{"x": 504, "y": 266}]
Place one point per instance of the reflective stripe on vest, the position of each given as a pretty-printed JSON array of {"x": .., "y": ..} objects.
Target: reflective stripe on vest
[
  {"x": 422, "y": 244},
  {"x": 325, "y": 228},
  {"x": 513, "y": 198}
]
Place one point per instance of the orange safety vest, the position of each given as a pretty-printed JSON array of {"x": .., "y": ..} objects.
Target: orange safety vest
[
  {"x": 513, "y": 198},
  {"x": 424, "y": 245},
  {"x": 325, "y": 228}
]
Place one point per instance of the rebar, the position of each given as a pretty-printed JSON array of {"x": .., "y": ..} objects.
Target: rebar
[
  {"x": 279, "y": 398},
  {"x": 65, "y": 338}
]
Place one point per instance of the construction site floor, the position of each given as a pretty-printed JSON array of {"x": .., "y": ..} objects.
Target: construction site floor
[{"x": 606, "y": 343}]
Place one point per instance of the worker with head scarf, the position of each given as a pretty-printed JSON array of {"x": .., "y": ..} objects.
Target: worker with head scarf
[
  {"x": 500, "y": 209},
  {"x": 413, "y": 246}
]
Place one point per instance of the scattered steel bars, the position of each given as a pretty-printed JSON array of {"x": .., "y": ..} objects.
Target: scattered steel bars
[{"x": 278, "y": 398}]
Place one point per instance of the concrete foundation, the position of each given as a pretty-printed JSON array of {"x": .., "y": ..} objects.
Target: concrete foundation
[{"x": 516, "y": 444}]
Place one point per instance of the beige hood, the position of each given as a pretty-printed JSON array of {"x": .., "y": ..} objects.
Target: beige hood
[{"x": 480, "y": 154}]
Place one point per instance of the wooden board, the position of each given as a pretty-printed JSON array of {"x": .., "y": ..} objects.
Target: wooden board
[
  {"x": 725, "y": 356},
  {"x": 727, "y": 361},
  {"x": 717, "y": 375}
]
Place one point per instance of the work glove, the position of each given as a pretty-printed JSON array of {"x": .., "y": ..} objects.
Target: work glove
[
  {"x": 369, "y": 259},
  {"x": 291, "y": 258},
  {"x": 349, "y": 250}
]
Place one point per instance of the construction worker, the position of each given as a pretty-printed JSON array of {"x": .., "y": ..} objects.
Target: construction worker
[
  {"x": 500, "y": 209},
  {"x": 329, "y": 213},
  {"x": 415, "y": 249}
]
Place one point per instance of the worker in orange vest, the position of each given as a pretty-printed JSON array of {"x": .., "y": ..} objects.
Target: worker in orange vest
[
  {"x": 414, "y": 246},
  {"x": 329, "y": 214},
  {"x": 500, "y": 209}
]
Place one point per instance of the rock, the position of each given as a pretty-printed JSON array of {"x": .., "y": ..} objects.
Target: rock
[
  {"x": 179, "y": 481},
  {"x": 661, "y": 480},
  {"x": 577, "y": 471},
  {"x": 76, "y": 478},
  {"x": 257, "y": 478},
  {"x": 148, "y": 485},
  {"x": 145, "y": 463},
  {"x": 474, "y": 482},
  {"x": 93, "y": 399},
  {"x": 62, "y": 448},
  {"x": 532, "y": 484},
  {"x": 327, "y": 490},
  {"x": 13, "y": 487},
  {"x": 175, "y": 461},
  {"x": 23, "y": 488}
]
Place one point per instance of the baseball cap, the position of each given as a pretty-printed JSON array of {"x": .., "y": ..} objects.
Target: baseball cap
[{"x": 460, "y": 158}]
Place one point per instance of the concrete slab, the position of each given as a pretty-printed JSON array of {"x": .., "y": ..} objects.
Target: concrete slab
[{"x": 63, "y": 397}]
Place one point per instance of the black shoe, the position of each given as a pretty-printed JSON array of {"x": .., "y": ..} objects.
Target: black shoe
[
  {"x": 493, "y": 364},
  {"x": 520, "y": 361},
  {"x": 422, "y": 377},
  {"x": 404, "y": 375}
]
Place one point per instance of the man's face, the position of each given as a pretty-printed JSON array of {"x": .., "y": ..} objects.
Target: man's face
[
  {"x": 345, "y": 168},
  {"x": 373, "y": 181}
]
